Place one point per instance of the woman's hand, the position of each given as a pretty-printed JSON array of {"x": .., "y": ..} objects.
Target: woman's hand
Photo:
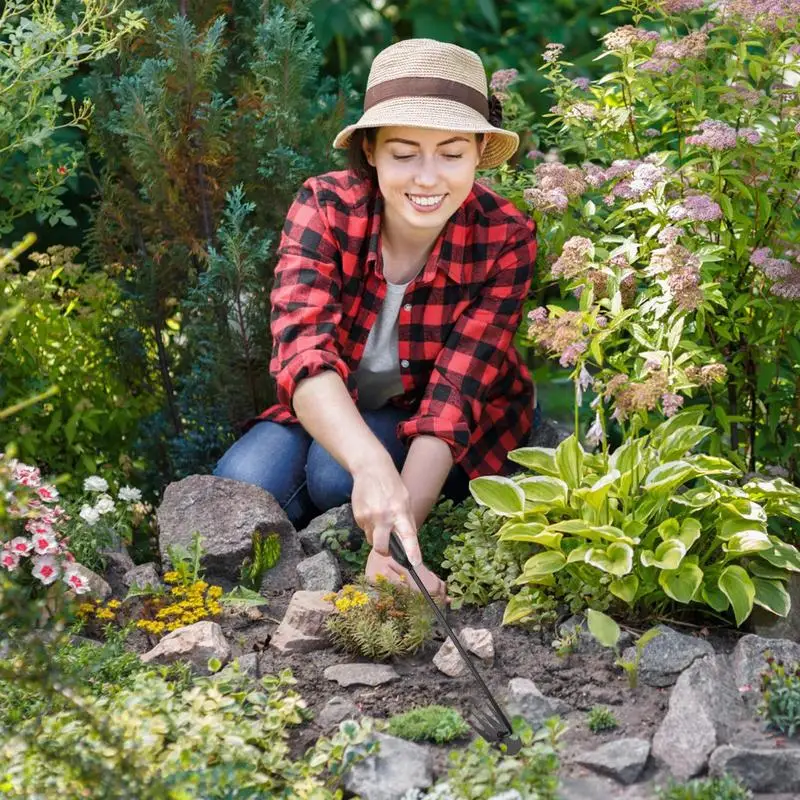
[
  {"x": 381, "y": 504},
  {"x": 378, "y": 564}
]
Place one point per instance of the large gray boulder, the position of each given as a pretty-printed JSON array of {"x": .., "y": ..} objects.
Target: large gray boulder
[
  {"x": 705, "y": 708},
  {"x": 749, "y": 661},
  {"x": 195, "y": 644},
  {"x": 622, "y": 759},
  {"x": 226, "y": 513},
  {"x": 525, "y": 699},
  {"x": 320, "y": 573},
  {"x": 760, "y": 769},
  {"x": 396, "y": 768},
  {"x": 667, "y": 655}
]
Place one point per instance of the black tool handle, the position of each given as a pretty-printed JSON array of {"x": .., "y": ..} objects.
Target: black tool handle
[{"x": 398, "y": 553}]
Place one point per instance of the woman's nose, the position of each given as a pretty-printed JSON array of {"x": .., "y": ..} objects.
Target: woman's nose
[{"x": 427, "y": 173}]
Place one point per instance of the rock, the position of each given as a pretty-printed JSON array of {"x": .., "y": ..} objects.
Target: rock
[
  {"x": 749, "y": 662},
  {"x": 705, "y": 708},
  {"x": 361, "y": 674},
  {"x": 771, "y": 626},
  {"x": 623, "y": 759},
  {"x": 118, "y": 562},
  {"x": 142, "y": 576},
  {"x": 336, "y": 710},
  {"x": 320, "y": 573},
  {"x": 549, "y": 434},
  {"x": 226, "y": 513},
  {"x": 475, "y": 640},
  {"x": 492, "y": 616},
  {"x": 525, "y": 700},
  {"x": 398, "y": 767},
  {"x": 247, "y": 665},
  {"x": 583, "y": 789},
  {"x": 667, "y": 655},
  {"x": 98, "y": 587},
  {"x": 340, "y": 518},
  {"x": 302, "y": 628},
  {"x": 760, "y": 769},
  {"x": 195, "y": 643}
]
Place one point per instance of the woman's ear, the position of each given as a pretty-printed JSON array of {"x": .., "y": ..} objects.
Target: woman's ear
[{"x": 369, "y": 152}]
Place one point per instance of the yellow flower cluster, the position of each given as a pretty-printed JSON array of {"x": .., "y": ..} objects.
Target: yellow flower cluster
[
  {"x": 189, "y": 604},
  {"x": 92, "y": 608},
  {"x": 349, "y": 597}
]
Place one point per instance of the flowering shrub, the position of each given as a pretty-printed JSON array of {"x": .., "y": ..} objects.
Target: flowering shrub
[
  {"x": 185, "y": 604},
  {"x": 673, "y": 219},
  {"x": 652, "y": 524},
  {"x": 33, "y": 543},
  {"x": 379, "y": 623}
]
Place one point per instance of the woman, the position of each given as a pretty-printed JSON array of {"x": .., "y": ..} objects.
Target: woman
[{"x": 398, "y": 290}]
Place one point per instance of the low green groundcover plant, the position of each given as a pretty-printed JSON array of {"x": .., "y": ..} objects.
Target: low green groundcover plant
[
  {"x": 601, "y": 719},
  {"x": 724, "y": 788},
  {"x": 653, "y": 523},
  {"x": 434, "y": 723},
  {"x": 780, "y": 696}
]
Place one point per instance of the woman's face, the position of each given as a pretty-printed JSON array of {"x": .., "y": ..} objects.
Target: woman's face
[{"x": 424, "y": 174}]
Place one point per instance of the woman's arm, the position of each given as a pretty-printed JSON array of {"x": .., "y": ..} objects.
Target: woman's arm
[{"x": 426, "y": 468}]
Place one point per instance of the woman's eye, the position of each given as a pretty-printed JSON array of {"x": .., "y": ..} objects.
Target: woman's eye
[
  {"x": 453, "y": 155},
  {"x": 402, "y": 158}
]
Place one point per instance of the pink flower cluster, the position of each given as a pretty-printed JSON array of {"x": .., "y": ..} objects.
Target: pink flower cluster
[
  {"x": 696, "y": 208},
  {"x": 767, "y": 13},
  {"x": 627, "y": 36},
  {"x": 502, "y": 79},
  {"x": 556, "y": 185},
  {"x": 668, "y": 55},
  {"x": 37, "y": 504},
  {"x": 683, "y": 274},
  {"x": 680, "y": 6},
  {"x": 552, "y": 52},
  {"x": 717, "y": 135},
  {"x": 575, "y": 257},
  {"x": 785, "y": 276}
]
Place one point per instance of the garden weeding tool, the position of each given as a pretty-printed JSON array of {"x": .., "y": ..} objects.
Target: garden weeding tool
[{"x": 492, "y": 726}]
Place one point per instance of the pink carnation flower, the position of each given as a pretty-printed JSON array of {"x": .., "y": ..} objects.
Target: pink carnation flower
[
  {"x": 49, "y": 494},
  {"x": 9, "y": 559},
  {"x": 45, "y": 543},
  {"x": 20, "y": 545},
  {"x": 76, "y": 581},
  {"x": 45, "y": 568}
]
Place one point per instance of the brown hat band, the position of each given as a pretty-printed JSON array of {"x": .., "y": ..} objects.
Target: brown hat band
[{"x": 427, "y": 87}]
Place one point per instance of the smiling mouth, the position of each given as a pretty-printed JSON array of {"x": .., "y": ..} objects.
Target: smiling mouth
[{"x": 426, "y": 203}]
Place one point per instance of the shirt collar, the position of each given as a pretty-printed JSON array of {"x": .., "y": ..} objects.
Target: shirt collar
[{"x": 452, "y": 240}]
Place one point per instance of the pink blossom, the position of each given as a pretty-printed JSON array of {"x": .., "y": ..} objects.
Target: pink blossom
[
  {"x": 582, "y": 83},
  {"x": 539, "y": 314},
  {"x": 49, "y": 494},
  {"x": 552, "y": 52},
  {"x": 502, "y": 79},
  {"x": 9, "y": 559},
  {"x": 76, "y": 581},
  {"x": 679, "y": 6},
  {"x": 45, "y": 568},
  {"x": 626, "y": 36},
  {"x": 535, "y": 155},
  {"x": 594, "y": 175},
  {"x": 759, "y": 256},
  {"x": 38, "y": 527},
  {"x": 575, "y": 256},
  {"x": 713, "y": 134},
  {"x": 750, "y": 135},
  {"x": 669, "y": 235},
  {"x": 671, "y": 403},
  {"x": 697, "y": 208},
  {"x": 652, "y": 133},
  {"x": 572, "y": 353},
  {"x": 797, "y": 128},
  {"x": 602, "y": 322},
  {"x": 20, "y": 545},
  {"x": 45, "y": 543},
  {"x": 25, "y": 475}
]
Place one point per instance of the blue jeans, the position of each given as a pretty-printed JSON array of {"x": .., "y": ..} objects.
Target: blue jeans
[{"x": 302, "y": 476}]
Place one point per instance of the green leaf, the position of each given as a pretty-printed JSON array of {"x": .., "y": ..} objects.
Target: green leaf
[
  {"x": 747, "y": 542},
  {"x": 712, "y": 465},
  {"x": 616, "y": 559},
  {"x": 538, "y": 459},
  {"x": 668, "y": 555},
  {"x": 545, "y": 563},
  {"x": 666, "y": 477},
  {"x": 782, "y": 555},
  {"x": 569, "y": 460},
  {"x": 544, "y": 490},
  {"x": 682, "y": 583},
  {"x": 739, "y": 589},
  {"x": 690, "y": 532},
  {"x": 500, "y": 494},
  {"x": 762, "y": 569},
  {"x": 530, "y": 532},
  {"x": 714, "y": 596},
  {"x": 690, "y": 417},
  {"x": 489, "y": 12},
  {"x": 596, "y": 494},
  {"x": 578, "y": 554},
  {"x": 241, "y": 596},
  {"x": 624, "y": 588},
  {"x": 518, "y": 608},
  {"x": 680, "y": 442},
  {"x": 603, "y": 628},
  {"x": 773, "y": 596}
]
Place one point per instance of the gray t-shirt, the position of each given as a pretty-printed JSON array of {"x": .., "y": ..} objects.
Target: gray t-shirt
[{"x": 378, "y": 374}]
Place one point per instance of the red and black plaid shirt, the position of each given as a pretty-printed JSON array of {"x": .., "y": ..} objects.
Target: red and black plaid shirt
[{"x": 464, "y": 381}]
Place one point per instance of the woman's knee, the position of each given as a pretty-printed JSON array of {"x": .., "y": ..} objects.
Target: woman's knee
[{"x": 329, "y": 484}]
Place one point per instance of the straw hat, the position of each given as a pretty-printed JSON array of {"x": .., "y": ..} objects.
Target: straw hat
[{"x": 422, "y": 83}]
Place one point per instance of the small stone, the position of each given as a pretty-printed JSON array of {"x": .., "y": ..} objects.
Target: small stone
[
  {"x": 760, "y": 769},
  {"x": 492, "y": 616},
  {"x": 583, "y": 789},
  {"x": 302, "y": 628},
  {"x": 623, "y": 759},
  {"x": 118, "y": 562},
  {"x": 247, "y": 665},
  {"x": 195, "y": 643},
  {"x": 361, "y": 674},
  {"x": 340, "y": 518},
  {"x": 142, "y": 576},
  {"x": 478, "y": 641},
  {"x": 336, "y": 710},
  {"x": 526, "y": 701},
  {"x": 667, "y": 655},
  {"x": 394, "y": 770},
  {"x": 704, "y": 710},
  {"x": 475, "y": 640},
  {"x": 320, "y": 573}
]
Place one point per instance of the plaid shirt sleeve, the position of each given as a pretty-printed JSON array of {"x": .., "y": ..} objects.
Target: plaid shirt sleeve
[
  {"x": 306, "y": 308},
  {"x": 473, "y": 355}
]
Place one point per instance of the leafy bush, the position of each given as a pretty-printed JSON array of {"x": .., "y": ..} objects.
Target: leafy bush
[
  {"x": 650, "y": 523},
  {"x": 437, "y": 724},
  {"x": 215, "y": 739},
  {"x": 600, "y": 719},
  {"x": 62, "y": 337},
  {"x": 379, "y": 622},
  {"x": 670, "y": 213},
  {"x": 479, "y": 568},
  {"x": 780, "y": 696},
  {"x": 436, "y": 533},
  {"x": 724, "y": 788}
]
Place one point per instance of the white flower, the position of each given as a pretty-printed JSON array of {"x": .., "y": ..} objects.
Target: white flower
[
  {"x": 48, "y": 493},
  {"x": 9, "y": 559},
  {"x": 94, "y": 483},
  {"x": 20, "y": 545},
  {"x": 88, "y": 515},
  {"x": 104, "y": 504},
  {"x": 130, "y": 495},
  {"x": 45, "y": 543},
  {"x": 595, "y": 434},
  {"x": 45, "y": 568},
  {"x": 75, "y": 580}
]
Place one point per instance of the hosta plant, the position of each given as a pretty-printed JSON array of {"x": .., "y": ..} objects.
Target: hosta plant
[{"x": 653, "y": 522}]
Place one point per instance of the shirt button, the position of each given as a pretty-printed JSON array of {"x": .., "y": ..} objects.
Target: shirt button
[
  {"x": 405, "y": 364},
  {"x": 407, "y": 307}
]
